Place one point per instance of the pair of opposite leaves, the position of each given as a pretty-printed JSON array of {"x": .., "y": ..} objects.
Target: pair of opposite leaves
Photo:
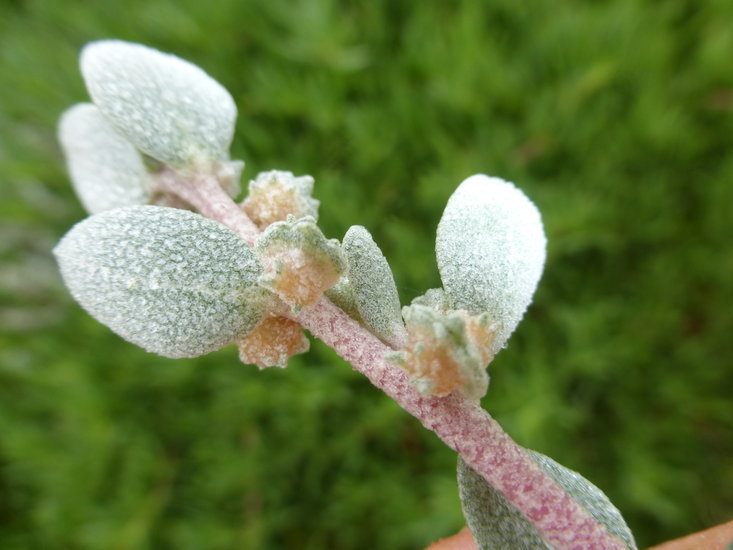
[{"x": 181, "y": 285}]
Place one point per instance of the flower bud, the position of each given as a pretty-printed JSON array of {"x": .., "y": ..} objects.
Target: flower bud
[
  {"x": 274, "y": 341},
  {"x": 275, "y": 195},
  {"x": 299, "y": 262}
]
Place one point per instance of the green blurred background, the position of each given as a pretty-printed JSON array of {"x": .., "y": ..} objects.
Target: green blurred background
[{"x": 616, "y": 117}]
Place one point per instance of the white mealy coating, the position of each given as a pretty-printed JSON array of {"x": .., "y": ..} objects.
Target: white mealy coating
[
  {"x": 373, "y": 286},
  {"x": 167, "y": 107},
  {"x": 491, "y": 250},
  {"x": 588, "y": 496},
  {"x": 168, "y": 280},
  {"x": 105, "y": 168}
]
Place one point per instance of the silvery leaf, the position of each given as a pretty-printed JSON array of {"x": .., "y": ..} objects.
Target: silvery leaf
[
  {"x": 106, "y": 170},
  {"x": 167, "y": 107},
  {"x": 171, "y": 281},
  {"x": 342, "y": 295},
  {"x": 496, "y": 524},
  {"x": 491, "y": 250},
  {"x": 372, "y": 282},
  {"x": 588, "y": 496}
]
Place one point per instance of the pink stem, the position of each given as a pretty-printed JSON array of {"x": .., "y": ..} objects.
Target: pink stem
[
  {"x": 468, "y": 429},
  {"x": 206, "y": 194},
  {"x": 460, "y": 422}
]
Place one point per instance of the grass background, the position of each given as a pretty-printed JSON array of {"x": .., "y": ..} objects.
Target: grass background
[{"x": 616, "y": 117}]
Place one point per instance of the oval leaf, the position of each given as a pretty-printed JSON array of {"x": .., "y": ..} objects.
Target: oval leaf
[
  {"x": 167, "y": 107},
  {"x": 342, "y": 295},
  {"x": 105, "y": 168},
  {"x": 299, "y": 262},
  {"x": 497, "y": 524},
  {"x": 588, "y": 496},
  {"x": 494, "y": 523},
  {"x": 372, "y": 282},
  {"x": 168, "y": 280},
  {"x": 491, "y": 250}
]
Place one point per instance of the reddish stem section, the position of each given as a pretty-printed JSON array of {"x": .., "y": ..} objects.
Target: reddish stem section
[
  {"x": 468, "y": 429},
  {"x": 460, "y": 422},
  {"x": 206, "y": 194}
]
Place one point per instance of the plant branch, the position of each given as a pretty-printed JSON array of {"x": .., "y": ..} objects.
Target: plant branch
[
  {"x": 205, "y": 193},
  {"x": 469, "y": 430},
  {"x": 459, "y": 421}
]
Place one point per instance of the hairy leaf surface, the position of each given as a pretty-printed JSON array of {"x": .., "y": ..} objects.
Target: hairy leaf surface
[
  {"x": 491, "y": 250},
  {"x": 169, "y": 108},
  {"x": 372, "y": 282},
  {"x": 168, "y": 280},
  {"x": 106, "y": 169}
]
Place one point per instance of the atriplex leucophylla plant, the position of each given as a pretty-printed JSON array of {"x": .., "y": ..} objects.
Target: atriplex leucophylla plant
[{"x": 170, "y": 262}]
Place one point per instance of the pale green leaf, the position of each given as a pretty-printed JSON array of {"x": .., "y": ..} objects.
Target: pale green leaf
[
  {"x": 342, "y": 295},
  {"x": 372, "y": 282},
  {"x": 167, "y": 107},
  {"x": 168, "y": 280},
  {"x": 588, "y": 496},
  {"x": 105, "y": 168},
  {"x": 491, "y": 250},
  {"x": 497, "y": 524},
  {"x": 494, "y": 523}
]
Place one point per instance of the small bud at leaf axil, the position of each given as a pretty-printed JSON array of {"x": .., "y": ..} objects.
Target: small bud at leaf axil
[
  {"x": 375, "y": 292},
  {"x": 105, "y": 169}
]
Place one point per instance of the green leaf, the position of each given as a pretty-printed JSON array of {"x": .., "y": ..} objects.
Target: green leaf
[
  {"x": 372, "y": 282},
  {"x": 493, "y": 521},
  {"x": 105, "y": 168},
  {"x": 168, "y": 280},
  {"x": 167, "y": 107},
  {"x": 491, "y": 250},
  {"x": 496, "y": 524},
  {"x": 342, "y": 295},
  {"x": 588, "y": 496}
]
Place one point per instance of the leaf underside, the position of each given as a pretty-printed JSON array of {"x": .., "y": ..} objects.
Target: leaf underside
[
  {"x": 105, "y": 168},
  {"x": 375, "y": 292}
]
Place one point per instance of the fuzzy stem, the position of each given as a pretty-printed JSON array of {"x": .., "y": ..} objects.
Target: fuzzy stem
[
  {"x": 205, "y": 193},
  {"x": 469, "y": 430},
  {"x": 459, "y": 421}
]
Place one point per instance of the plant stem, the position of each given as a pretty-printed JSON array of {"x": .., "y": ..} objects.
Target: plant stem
[
  {"x": 469, "y": 430},
  {"x": 204, "y": 193},
  {"x": 460, "y": 422}
]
